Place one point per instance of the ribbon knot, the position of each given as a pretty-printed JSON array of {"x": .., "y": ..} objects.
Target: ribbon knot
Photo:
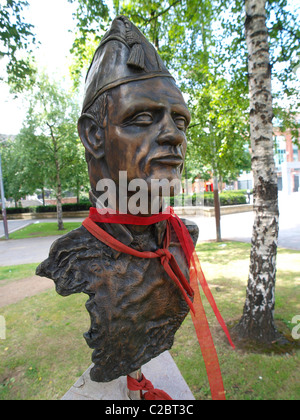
[
  {"x": 164, "y": 255},
  {"x": 145, "y": 385}
]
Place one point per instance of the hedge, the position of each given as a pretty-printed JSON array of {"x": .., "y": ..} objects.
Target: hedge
[
  {"x": 65, "y": 207},
  {"x": 18, "y": 210},
  {"x": 227, "y": 198},
  {"x": 85, "y": 205}
]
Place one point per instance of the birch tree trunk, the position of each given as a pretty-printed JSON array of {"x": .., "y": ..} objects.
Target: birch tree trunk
[{"x": 257, "y": 322}]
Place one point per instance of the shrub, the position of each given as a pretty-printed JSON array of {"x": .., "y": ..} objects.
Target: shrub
[
  {"x": 230, "y": 198},
  {"x": 227, "y": 198},
  {"x": 45, "y": 209},
  {"x": 18, "y": 210},
  {"x": 84, "y": 205}
]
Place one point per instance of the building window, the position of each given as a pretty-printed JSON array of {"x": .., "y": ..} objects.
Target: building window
[
  {"x": 295, "y": 153},
  {"x": 280, "y": 150}
]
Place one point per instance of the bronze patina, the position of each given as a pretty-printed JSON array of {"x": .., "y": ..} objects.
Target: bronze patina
[{"x": 134, "y": 119}]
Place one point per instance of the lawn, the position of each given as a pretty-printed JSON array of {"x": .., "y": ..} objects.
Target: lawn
[
  {"x": 43, "y": 229},
  {"x": 16, "y": 272},
  {"x": 44, "y": 352}
]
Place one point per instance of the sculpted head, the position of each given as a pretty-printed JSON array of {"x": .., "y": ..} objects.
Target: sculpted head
[{"x": 134, "y": 116}]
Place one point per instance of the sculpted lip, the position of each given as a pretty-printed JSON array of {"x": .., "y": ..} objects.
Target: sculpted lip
[{"x": 172, "y": 160}]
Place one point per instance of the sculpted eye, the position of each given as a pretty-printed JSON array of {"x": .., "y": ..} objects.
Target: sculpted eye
[
  {"x": 142, "y": 119},
  {"x": 180, "y": 122}
]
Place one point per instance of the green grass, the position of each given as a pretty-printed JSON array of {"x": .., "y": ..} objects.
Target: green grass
[
  {"x": 43, "y": 229},
  {"x": 16, "y": 272},
  {"x": 44, "y": 351},
  {"x": 247, "y": 375}
]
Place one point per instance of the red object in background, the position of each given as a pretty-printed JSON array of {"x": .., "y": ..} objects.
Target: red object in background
[{"x": 209, "y": 186}]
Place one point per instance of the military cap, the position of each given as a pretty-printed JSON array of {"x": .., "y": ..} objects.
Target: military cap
[{"x": 124, "y": 55}]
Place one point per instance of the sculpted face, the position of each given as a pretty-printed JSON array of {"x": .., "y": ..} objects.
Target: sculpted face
[{"x": 145, "y": 130}]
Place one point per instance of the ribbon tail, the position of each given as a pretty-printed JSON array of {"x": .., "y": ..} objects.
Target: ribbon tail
[
  {"x": 207, "y": 347},
  {"x": 193, "y": 260},
  {"x": 209, "y": 296}
]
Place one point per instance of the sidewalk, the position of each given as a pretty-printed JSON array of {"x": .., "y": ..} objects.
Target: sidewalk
[
  {"x": 25, "y": 251},
  {"x": 236, "y": 227}
]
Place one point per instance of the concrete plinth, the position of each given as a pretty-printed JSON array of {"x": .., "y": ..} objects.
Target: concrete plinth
[{"x": 161, "y": 371}]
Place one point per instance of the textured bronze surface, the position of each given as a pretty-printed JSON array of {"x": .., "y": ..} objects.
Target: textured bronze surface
[
  {"x": 135, "y": 308},
  {"x": 134, "y": 119}
]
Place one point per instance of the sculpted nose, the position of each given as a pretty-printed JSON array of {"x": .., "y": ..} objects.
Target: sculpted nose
[{"x": 169, "y": 133}]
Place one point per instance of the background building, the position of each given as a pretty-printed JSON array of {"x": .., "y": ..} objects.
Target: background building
[{"x": 287, "y": 159}]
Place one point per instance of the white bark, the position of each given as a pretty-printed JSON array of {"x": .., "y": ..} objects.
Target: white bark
[{"x": 257, "y": 322}]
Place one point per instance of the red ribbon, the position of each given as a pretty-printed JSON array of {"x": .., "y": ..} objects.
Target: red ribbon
[
  {"x": 171, "y": 267},
  {"x": 145, "y": 385}
]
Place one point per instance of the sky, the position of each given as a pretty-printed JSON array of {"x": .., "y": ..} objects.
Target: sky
[{"x": 52, "y": 20}]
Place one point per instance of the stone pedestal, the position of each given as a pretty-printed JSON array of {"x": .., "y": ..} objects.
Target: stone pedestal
[{"x": 161, "y": 371}]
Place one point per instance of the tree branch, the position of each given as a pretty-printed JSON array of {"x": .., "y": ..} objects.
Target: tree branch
[{"x": 147, "y": 21}]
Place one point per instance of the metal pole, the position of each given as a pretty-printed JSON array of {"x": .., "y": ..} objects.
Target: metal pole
[
  {"x": 3, "y": 203},
  {"x": 136, "y": 395}
]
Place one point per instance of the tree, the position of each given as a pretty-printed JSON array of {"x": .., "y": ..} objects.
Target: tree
[
  {"x": 172, "y": 26},
  {"x": 282, "y": 20},
  {"x": 218, "y": 134},
  {"x": 257, "y": 322},
  {"x": 182, "y": 32},
  {"x": 91, "y": 18},
  {"x": 203, "y": 42},
  {"x": 12, "y": 168},
  {"x": 50, "y": 139},
  {"x": 16, "y": 36}
]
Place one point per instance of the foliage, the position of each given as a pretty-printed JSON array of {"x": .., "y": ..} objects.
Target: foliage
[
  {"x": 219, "y": 133},
  {"x": 18, "y": 210},
  {"x": 15, "y": 36},
  {"x": 185, "y": 34},
  {"x": 47, "y": 153},
  {"x": 91, "y": 19},
  {"x": 81, "y": 206},
  {"x": 49, "y": 137},
  {"x": 227, "y": 198},
  {"x": 283, "y": 19},
  {"x": 16, "y": 177}
]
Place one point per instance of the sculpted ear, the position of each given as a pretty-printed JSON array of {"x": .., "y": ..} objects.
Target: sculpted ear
[{"x": 91, "y": 135}]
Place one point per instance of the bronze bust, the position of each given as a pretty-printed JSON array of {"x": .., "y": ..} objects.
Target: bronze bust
[{"x": 134, "y": 119}]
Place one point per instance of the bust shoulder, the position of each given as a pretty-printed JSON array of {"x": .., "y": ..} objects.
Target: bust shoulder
[
  {"x": 77, "y": 257},
  {"x": 193, "y": 229},
  {"x": 65, "y": 256}
]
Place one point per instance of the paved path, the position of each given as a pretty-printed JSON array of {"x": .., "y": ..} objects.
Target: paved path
[
  {"x": 14, "y": 225},
  {"x": 233, "y": 227},
  {"x": 239, "y": 226},
  {"x": 25, "y": 251}
]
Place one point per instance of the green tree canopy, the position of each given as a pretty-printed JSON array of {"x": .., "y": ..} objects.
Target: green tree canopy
[
  {"x": 47, "y": 153},
  {"x": 16, "y": 36}
]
